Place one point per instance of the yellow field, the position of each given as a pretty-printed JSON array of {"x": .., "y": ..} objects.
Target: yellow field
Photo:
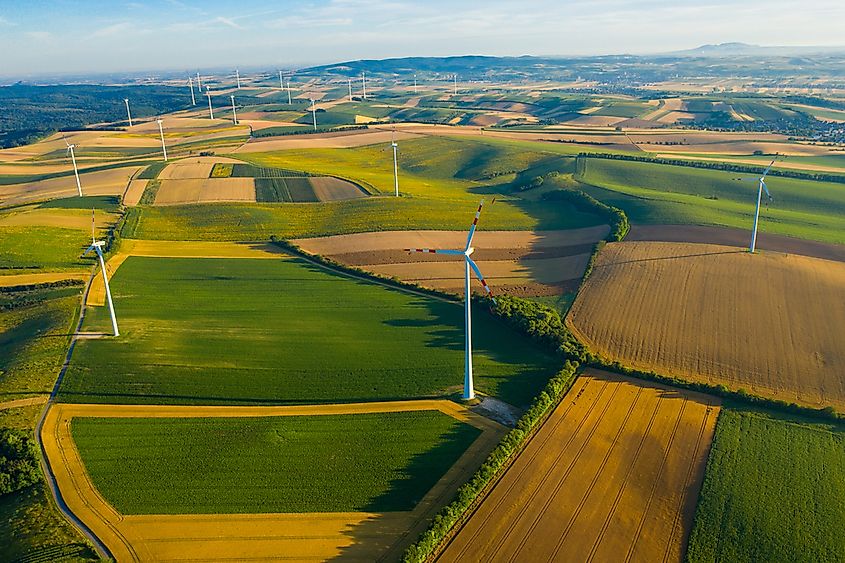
[
  {"x": 613, "y": 475},
  {"x": 240, "y": 537},
  {"x": 773, "y": 324},
  {"x": 41, "y": 277},
  {"x": 205, "y": 190},
  {"x": 54, "y": 217}
]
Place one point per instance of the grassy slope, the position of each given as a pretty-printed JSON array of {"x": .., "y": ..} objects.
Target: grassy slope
[
  {"x": 33, "y": 342},
  {"x": 772, "y": 492},
  {"x": 662, "y": 194},
  {"x": 442, "y": 180},
  {"x": 282, "y": 331},
  {"x": 43, "y": 248},
  {"x": 32, "y": 348},
  {"x": 327, "y": 463}
]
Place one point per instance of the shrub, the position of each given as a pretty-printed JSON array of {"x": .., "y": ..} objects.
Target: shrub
[
  {"x": 617, "y": 218},
  {"x": 18, "y": 461}
]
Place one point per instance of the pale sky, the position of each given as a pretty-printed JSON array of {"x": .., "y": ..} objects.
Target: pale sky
[{"x": 56, "y": 36}]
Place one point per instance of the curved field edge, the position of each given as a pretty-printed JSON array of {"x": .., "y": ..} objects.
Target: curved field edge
[{"x": 139, "y": 537}]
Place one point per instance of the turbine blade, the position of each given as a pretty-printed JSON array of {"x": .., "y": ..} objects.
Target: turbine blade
[
  {"x": 93, "y": 226},
  {"x": 433, "y": 251},
  {"x": 766, "y": 189},
  {"x": 474, "y": 225},
  {"x": 475, "y": 269},
  {"x": 768, "y": 168}
]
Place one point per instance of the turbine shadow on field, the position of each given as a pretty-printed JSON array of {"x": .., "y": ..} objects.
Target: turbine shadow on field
[
  {"x": 660, "y": 258},
  {"x": 373, "y": 536}
]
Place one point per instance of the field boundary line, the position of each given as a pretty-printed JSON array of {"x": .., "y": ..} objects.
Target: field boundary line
[{"x": 46, "y": 467}]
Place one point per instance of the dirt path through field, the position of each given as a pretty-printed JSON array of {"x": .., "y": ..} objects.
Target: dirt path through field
[
  {"x": 238, "y": 537},
  {"x": 613, "y": 474},
  {"x": 17, "y": 403}
]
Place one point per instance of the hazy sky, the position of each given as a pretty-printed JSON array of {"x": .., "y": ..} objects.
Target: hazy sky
[{"x": 50, "y": 36}]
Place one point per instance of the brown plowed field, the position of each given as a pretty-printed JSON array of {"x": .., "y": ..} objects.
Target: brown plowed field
[
  {"x": 770, "y": 323},
  {"x": 104, "y": 182},
  {"x": 199, "y": 190},
  {"x": 612, "y": 475},
  {"x": 328, "y": 188},
  {"x": 515, "y": 262},
  {"x": 358, "y": 536}
]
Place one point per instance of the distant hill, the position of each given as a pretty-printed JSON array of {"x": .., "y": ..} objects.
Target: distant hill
[{"x": 735, "y": 49}]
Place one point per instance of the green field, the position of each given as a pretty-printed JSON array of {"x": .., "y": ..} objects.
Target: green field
[
  {"x": 276, "y": 190},
  {"x": 772, "y": 492},
  {"x": 663, "y": 194},
  {"x": 377, "y": 462},
  {"x": 34, "y": 334},
  {"x": 247, "y": 331},
  {"x": 42, "y": 248}
]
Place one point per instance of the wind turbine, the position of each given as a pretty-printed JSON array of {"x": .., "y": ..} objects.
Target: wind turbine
[
  {"x": 210, "y": 109},
  {"x": 289, "y": 101},
  {"x": 364, "y": 84},
  {"x": 761, "y": 186},
  {"x": 234, "y": 112},
  {"x": 163, "y": 147},
  {"x": 395, "y": 166},
  {"x": 469, "y": 391},
  {"x": 415, "y": 84},
  {"x": 191, "y": 84},
  {"x": 314, "y": 113},
  {"x": 456, "y": 83},
  {"x": 238, "y": 78},
  {"x": 199, "y": 82},
  {"x": 97, "y": 246},
  {"x": 281, "y": 81},
  {"x": 128, "y": 113},
  {"x": 75, "y": 169},
  {"x": 349, "y": 82}
]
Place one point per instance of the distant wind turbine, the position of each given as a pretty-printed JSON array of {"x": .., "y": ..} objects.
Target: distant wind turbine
[
  {"x": 760, "y": 188},
  {"x": 289, "y": 100},
  {"x": 395, "y": 166},
  {"x": 199, "y": 82},
  {"x": 191, "y": 84},
  {"x": 364, "y": 84},
  {"x": 314, "y": 113},
  {"x": 415, "y": 84},
  {"x": 349, "y": 83},
  {"x": 238, "y": 78},
  {"x": 281, "y": 81},
  {"x": 97, "y": 246},
  {"x": 128, "y": 113},
  {"x": 70, "y": 148},
  {"x": 456, "y": 83},
  {"x": 163, "y": 146},
  {"x": 469, "y": 391},
  {"x": 210, "y": 109},
  {"x": 234, "y": 111}
]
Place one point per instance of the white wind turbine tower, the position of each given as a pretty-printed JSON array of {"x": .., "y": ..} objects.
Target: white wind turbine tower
[
  {"x": 281, "y": 81},
  {"x": 289, "y": 100},
  {"x": 161, "y": 132},
  {"x": 128, "y": 113},
  {"x": 97, "y": 246},
  {"x": 75, "y": 169},
  {"x": 760, "y": 188},
  {"x": 238, "y": 78},
  {"x": 199, "y": 82},
  {"x": 415, "y": 84},
  {"x": 364, "y": 84},
  {"x": 191, "y": 84},
  {"x": 234, "y": 111},
  {"x": 314, "y": 113},
  {"x": 395, "y": 166},
  {"x": 469, "y": 391},
  {"x": 349, "y": 83},
  {"x": 210, "y": 109},
  {"x": 456, "y": 83}
]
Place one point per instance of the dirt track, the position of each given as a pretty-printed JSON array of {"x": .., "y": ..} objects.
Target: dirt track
[
  {"x": 254, "y": 537},
  {"x": 736, "y": 237},
  {"x": 612, "y": 475},
  {"x": 770, "y": 323}
]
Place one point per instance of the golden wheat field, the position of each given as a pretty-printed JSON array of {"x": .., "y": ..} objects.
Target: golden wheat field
[
  {"x": 770, "y": 323},
  {"x": 612, "y": 475}
]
